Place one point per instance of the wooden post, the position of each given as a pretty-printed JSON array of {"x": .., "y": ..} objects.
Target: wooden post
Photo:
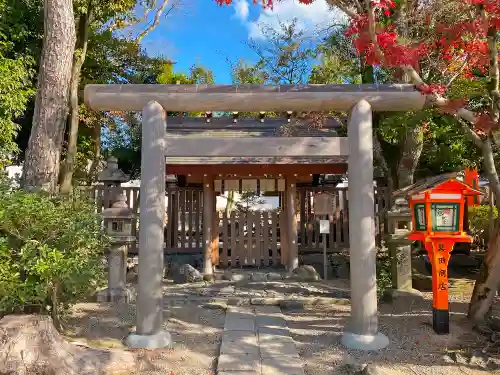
[
  {"x": 291, "y": 210},
  {"x": 284, "y": 233},
  {"x": 208, "y": 201},
  {"x": 215, "y": 232},
  {"x": 174, "y": 235}
]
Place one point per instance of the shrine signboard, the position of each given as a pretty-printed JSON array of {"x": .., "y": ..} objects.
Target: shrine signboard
[
  {"x": 324, "y": 204},
  {"x": 438, "y": 217}
]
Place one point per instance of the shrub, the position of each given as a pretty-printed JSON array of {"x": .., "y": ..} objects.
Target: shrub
[
  {"x": 50, "y": 251},
  {"x": 479, "y": 222},
  {"x": 384, "y": 273}
]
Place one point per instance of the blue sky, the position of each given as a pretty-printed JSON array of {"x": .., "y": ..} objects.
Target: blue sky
[{"x": 200, "y": 31}]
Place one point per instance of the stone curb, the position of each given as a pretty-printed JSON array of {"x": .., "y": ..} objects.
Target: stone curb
[{"x": 291, "y": 302}]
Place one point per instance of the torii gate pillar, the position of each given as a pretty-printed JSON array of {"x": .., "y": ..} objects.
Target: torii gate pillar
[
  {"x": 362, "y": 332},
  {"x": 150, "y": 333}
]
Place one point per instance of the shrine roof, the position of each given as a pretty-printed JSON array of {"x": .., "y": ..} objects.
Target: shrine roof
[{"x": 226, "y": 128}]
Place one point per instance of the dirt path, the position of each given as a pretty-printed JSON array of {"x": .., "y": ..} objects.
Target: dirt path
[
  {"x": 196, "y": 333},
  {"x": 414, "y": 348}
]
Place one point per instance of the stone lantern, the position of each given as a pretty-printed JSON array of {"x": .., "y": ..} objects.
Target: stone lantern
[
  {"x": 118, "y": 221},
  {"x": 400, "y": 226}
]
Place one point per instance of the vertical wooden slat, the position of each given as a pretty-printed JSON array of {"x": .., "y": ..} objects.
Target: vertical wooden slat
[
  {"x": 302, "y": 197},
  {"x": 331, "y": 244},
  {"x": 242, "y": 245},
  {"x": 234, "y": 250},
  {"x": 345, "y": 218},
  {"x": 225, "y": 240},
  {"x": 250, "y": 239},
  {"x": 338, "y": 222},
  {"x": 190, "y": 219},
  {"x": 168, "y": 231},
  {"x": 208, "y": 224},
  {"x": 197, "y": 216},
  {"x": 274, "y": 237},
  {"x": 176, "y": 208},
  {"x": 215, "y": 231},
  {"x": 182, "y": 213},
  {"x": 265, "y": 237},
  {"x": 291, "y": 199},
  {"x": 284, "y": 232},
  {"x": 258, "y": 239},
  {"x": 310, "y": 222},
  {"x": 316, "y": 233}
]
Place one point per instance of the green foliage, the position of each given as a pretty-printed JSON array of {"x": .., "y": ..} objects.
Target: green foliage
[
  {"x": 445, "y": 149},
  {"x": 243, "y": 73},
  {"x": 18, "y": 44},
  {"x": 50, "y": 251},
  {"x": 15, "y": 90},
  {"x": 339, "y": 62},
  {"x": 384, "y": 273},
  {"x": 285, "y": 56},
  {"x": 479, "y": 221}
]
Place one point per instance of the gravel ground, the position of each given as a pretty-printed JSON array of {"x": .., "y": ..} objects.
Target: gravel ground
[
  {"x": 196, "y": 333},
  {"x": 414, "y": 348}
]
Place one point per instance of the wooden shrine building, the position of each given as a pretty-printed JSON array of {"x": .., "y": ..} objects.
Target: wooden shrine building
[{"x": 257, "y": 155}]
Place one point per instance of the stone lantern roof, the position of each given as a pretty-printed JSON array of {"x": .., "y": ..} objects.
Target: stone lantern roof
[{"x": 112, "y": 174}]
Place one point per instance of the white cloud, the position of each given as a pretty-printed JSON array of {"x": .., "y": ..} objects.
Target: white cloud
[
  {"x": 309, "y": 17},
  {"x": 241, "y": 9}
]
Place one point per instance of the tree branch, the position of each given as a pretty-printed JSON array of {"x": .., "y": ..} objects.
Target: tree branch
[
  {"x": 156, "y": 20},
  {"x": 457, "y": 74},
  {"x": 338, "y": 4},
  {"x": 494, "y": 73},
  {"x": 471, "y": 134},
  {"x": 116, "y": 26}
]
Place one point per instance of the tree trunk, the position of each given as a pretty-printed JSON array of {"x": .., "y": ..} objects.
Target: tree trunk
[
  {"x": 488, "y": 279},
  {"x": 41, "y": 166},
  {"x": 30, "y": 344},
  {"x": 378, "y": 156},
  {"x": 487, "y": 282},
  {"x": 93, "y": 170},
  {"x": 413, "y": 144},
  {"x": 74, "y": 119}
]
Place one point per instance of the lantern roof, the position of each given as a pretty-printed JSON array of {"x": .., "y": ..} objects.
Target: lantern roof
[
  {"x": 454, "y": 186},
  {"x": 450, "y": 188},
  {"x": 444, "y": 183}
]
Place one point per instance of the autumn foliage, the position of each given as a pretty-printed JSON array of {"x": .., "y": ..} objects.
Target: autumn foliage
[{"x": 460, "y": 47}]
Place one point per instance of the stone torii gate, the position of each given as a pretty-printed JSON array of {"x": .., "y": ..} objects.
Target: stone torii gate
[{"x": 359, "y": 100}]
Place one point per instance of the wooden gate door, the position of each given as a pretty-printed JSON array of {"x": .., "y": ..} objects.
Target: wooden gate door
[{"x": 249, "y": 239}]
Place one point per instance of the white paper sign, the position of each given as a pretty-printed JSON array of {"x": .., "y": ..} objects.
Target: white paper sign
[{"x": 324, "y": 226}]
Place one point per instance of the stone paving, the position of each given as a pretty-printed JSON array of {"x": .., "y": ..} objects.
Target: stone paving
[
  {"x": 257, "y": 341},
  {"x": 258, "y": 288}
]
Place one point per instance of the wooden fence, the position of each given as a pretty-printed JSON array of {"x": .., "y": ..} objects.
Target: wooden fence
[{"x": 242, "y": 235}]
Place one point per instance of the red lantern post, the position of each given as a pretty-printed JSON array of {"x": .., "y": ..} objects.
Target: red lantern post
[{"x": 437, "y": 218}]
